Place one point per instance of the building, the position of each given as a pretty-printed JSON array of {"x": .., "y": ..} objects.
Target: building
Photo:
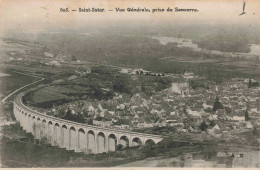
[
  {"x": 47, "y": 54},
  {"x": 54, "y": 63},
  {"x": 180, "y": 88},
  {"x": 102, "y": 123}
]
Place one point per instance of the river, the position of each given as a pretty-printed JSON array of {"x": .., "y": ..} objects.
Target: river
[{"x": 183, "y": 42}]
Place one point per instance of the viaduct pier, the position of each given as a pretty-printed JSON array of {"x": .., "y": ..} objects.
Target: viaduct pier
[{"x": 76, "y": 136}]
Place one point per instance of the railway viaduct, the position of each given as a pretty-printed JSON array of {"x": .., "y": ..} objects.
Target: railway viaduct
[{"x": 76, "y": 136}]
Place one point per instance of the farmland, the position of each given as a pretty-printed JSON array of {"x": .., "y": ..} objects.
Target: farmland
[{"x": 14, "y": 80}]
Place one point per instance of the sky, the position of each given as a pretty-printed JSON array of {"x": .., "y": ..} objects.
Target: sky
[{"x": 44, "y": 15}]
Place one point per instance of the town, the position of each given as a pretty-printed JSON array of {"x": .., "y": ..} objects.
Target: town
[
  {"x": 169, "y": 104},
  {"x": 153, "y": 105}
]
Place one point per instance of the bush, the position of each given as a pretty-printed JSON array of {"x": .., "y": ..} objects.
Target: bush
[
  {"x": 119, "y": 147},
  {"x": 198, "y": 83},
  {"x": 203, "y": 126},
  {"x": 217, "y": 105},
  {"x": 256, "y": 132}
]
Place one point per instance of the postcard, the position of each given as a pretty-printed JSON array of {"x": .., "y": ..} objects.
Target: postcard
[{"x": 130, "y": 84}]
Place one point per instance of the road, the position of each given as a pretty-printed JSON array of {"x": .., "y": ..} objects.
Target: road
[{"x": 9, "y": 95}]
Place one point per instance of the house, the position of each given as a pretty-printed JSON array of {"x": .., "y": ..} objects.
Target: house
[
  {"x": 154, "y": 111},
  {"x": 173, "y": 113},
  {"x": 238, "y": 118},
  {"x": 140, "y": 71},
  {"x": 213, "y": 117},
  {"x": 121, "y": 107},
  {"x": 135, "y": 118},
  {"x": 247, "y": 80},
  {"x": 171, "y": 119},
  {"x": 177, "y": 125},
  {"x": 160, "y": 123},
  {"x": 124, "y": 70},
  {"x": 72, "y": 77},
  {"x": 182, "y": 130},
  {"x": 195, "y": 113},
  {"x": 122, "y": 126},
  {"x": 205, "y": 106},
  {"x": 88, "y": 70},
  {"x": 91, "y": 108},
  {"x": 180, "y": 88},
  {"x": 47, "y": 54},
  {"x": 54, "y": 63},
  {"x": 249, "y": 125},
  {"x": 191, "y": 129},
  {"x": 102, "y": 123},
  {"x": 149, "y": 125},
  {"x": 103, "y": 113},
  {"x": 161, "y": 113},
  {"x": 228, "y": 118},
  {"x": 188, "y": 75},
  {"x": 167, "y": 99},
  {"x": 213, "y": 131},
  {"x": 216, "y": 127},
  {"x": 163, "y": 123},
  {"x": 111, "y": 112}
]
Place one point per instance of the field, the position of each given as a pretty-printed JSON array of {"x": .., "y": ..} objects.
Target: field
[
  {"x": 101, "y": 84},
  {"x": 47, "y": 94},
  {"x": 149, "y": 54},
  {"x": 14, "y": 81}
]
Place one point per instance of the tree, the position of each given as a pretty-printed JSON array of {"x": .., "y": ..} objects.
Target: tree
[
  {"x": 252, "y": 84},
  {"x": 256, "y": 132},
  {"x": 246, "y": 116},
  {"x": 73, "y": 58},
  {"x": 185, "y": 110},
  {"x": 203, "y": 126},
  {"x": 119, "y": 147},
  {"x": 217, "y": 105},
  {"x": 90, "y": 121},
  {"x": 249, "y": 83}
]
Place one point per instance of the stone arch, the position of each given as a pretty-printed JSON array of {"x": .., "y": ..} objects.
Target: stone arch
[
  {"x": 101, "y": 142},
  {"x": 29, "y": 124},
  {"x": 91, "y": 143},
  {"x": 73, "y": 139},
  {"x": 124, "y": 141},
  {"x": 64, "y": 139},
  {"x": 82, "y": 140},
  {"x": 44, "y": 128},
  {"x": 149, "y": 142},
  {"x": 38, "y": 128},
  {"x": 25, "y": 122},
  {"x": 21, "y": 117},
  {"x": 112, "y": 142},
  {"x": 50, "y": 132},
  {"x": 136, "y": 141},
  {"x": 34, "y": 126},
  {"x": 57, "y": 134}
]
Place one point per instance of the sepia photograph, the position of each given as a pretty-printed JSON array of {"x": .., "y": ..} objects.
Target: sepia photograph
[{"x": 130, "y": 84}]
